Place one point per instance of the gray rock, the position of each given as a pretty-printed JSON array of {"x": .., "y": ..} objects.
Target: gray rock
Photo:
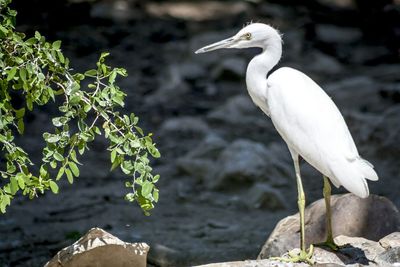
[
  {"x": 161, "y": 255},
  {"x": 391, "y": 241},
  {"x": 352, "y": 216},
  {"x": 200, "y": 161},
  {"x": 387, "y": 131},
  {"x": 364, "y": 89},
  {"x": 358, "y": 249},
  {"x": 391, "y": 256},
  {"x": 263, "y": 196},
  {"x": 244, "y": 162},
  {"x": 240, "y": 117},
  {"x": 99, "y": 248},
  {"x": 333, "y": 34},
  {"x": 224, "y": 166},
  {"x": 321, "y": 63},
  {"x": 185, "y": 126},
  {"x": 232, "y": 68},
  {"x": 254, "y": 263},
  {"x": 119, "y": 11},
  {"x": 209, "y": 148},
  {"x": 353, "y": 251},
  {"x": 368, "y": 54},
  {"x": 237, "y": 110},
  {"x": 172, "y": 88}
]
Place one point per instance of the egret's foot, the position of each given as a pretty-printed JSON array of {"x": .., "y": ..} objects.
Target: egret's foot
[
  {"x": 329, "y": 244},
  {"x": 303, "y": 256}
]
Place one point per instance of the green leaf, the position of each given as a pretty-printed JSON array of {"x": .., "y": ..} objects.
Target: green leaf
[
  {"x": 113, "y": 155},
  {"x": 74, "y": 168},
  {"x": 3, "y": 30},
  {"x": 61, "y": 57},
  {"x": 11, "y": 73},
  {"x": 4, "y": 202},
  {"x": 112, "y": 77},
  {"x": 53, "y": 187},
  {"x": 53, "y": 139},
  {"x": 53, "y": 164},
  {"x": 147, "y": 187},
  {"x": 155, "y": 178},
  {"x": 14, "y": 185},
  {"x": 139, "y": 130},
  {"x": 73, "y": 156},
  {"x": 56, "y": 45},
  {"x": 103, "y": 55},
  {"x": 153, "y": 150},
  {"x": 37, "y": 35},
  {"x": 58, "y": 156},
  {"x": 19, "y": 113},
  {"x": 91, "y": 73},
  {"x": 22, "y": 74},
  {"x": 155, "y": 195},
  {"x": 21, "y": 181},
  {"x": 70, "y": 177},
  {"x": 60, "y": 173},
  {"x": 20, "y": 126}
]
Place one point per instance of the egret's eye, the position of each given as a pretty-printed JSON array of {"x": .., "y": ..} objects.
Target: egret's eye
[{"x": 247, "y": 36}]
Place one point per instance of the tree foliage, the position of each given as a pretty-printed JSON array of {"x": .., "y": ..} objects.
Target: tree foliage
[{"x": 38, "y": 71}]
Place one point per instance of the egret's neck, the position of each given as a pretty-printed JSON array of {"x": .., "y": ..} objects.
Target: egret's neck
[{"x": 258, "y": 68}]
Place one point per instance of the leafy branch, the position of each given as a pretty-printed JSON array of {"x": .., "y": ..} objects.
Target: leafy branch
[{"x": 39, "y": 72}]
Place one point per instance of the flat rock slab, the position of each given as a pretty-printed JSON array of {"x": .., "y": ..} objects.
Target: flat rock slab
[
  {"x": 372, "y": 218},
  {"x": 101, "y": 249},
  {"x": 354, "y": 251}
]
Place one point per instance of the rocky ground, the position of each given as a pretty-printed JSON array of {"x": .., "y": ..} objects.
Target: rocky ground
[{"x": 227, "y": 177}]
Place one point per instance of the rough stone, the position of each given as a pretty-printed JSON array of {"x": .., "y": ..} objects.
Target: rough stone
[
  {"x": 99, "y": 248},
  {"x": 371, "y": 218},
  {"x": 253, "y": 263},
  {"x": 239, "y": 116},
  {"x": 391, "y": 256},
  {"x": 200, "y": 162},
  {"x": 232, "y": 68},
  {"x": 365, "y": 89},
  {"x": 245, "y": 162},
  {"x": 334, "y": 34},
  {"x": 353, "y": 251},
  {"x": 323, "y": 63},
  {"x": 226, "y": 166},
  {"x": 263, "y": 196},
  {"x": 237, "y": 109},
  {"x": 391, "y": 241},
  {"x": 185, "y": 126},
  {"x": 172, "y": 88}
]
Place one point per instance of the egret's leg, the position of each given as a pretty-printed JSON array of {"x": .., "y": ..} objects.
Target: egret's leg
[
  {"x": 304, "y": 256},
  {"x": 327, "y": 196}
]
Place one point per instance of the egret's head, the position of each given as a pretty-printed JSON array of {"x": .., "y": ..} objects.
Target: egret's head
[{"x": 253, "y": 35}]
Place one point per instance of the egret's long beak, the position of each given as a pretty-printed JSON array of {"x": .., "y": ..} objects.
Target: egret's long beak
[{"x": 227, "y": 43}]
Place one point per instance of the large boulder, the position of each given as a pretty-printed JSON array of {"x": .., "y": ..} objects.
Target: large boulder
[
  {"x": 372, "y": 218},
  {"x": 101, "y": 249}
]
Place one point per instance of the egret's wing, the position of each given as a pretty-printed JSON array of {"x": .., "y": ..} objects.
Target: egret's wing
[
  {"x": 306, "y": 116},
  {"x": 311, "y": 124}
]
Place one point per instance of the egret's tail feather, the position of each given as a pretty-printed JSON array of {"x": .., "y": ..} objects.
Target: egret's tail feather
[
  {"x": 353, "y": 175},
  {"x": 367, "y": 169}
]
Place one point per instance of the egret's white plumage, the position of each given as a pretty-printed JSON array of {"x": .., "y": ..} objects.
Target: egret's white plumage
[{"x": 303, "y": 114}]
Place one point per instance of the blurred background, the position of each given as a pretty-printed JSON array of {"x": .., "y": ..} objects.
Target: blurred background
[{"x": 226, "y": 175}]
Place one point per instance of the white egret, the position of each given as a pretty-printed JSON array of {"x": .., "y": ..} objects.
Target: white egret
[{"x": 306, "y": 118}]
